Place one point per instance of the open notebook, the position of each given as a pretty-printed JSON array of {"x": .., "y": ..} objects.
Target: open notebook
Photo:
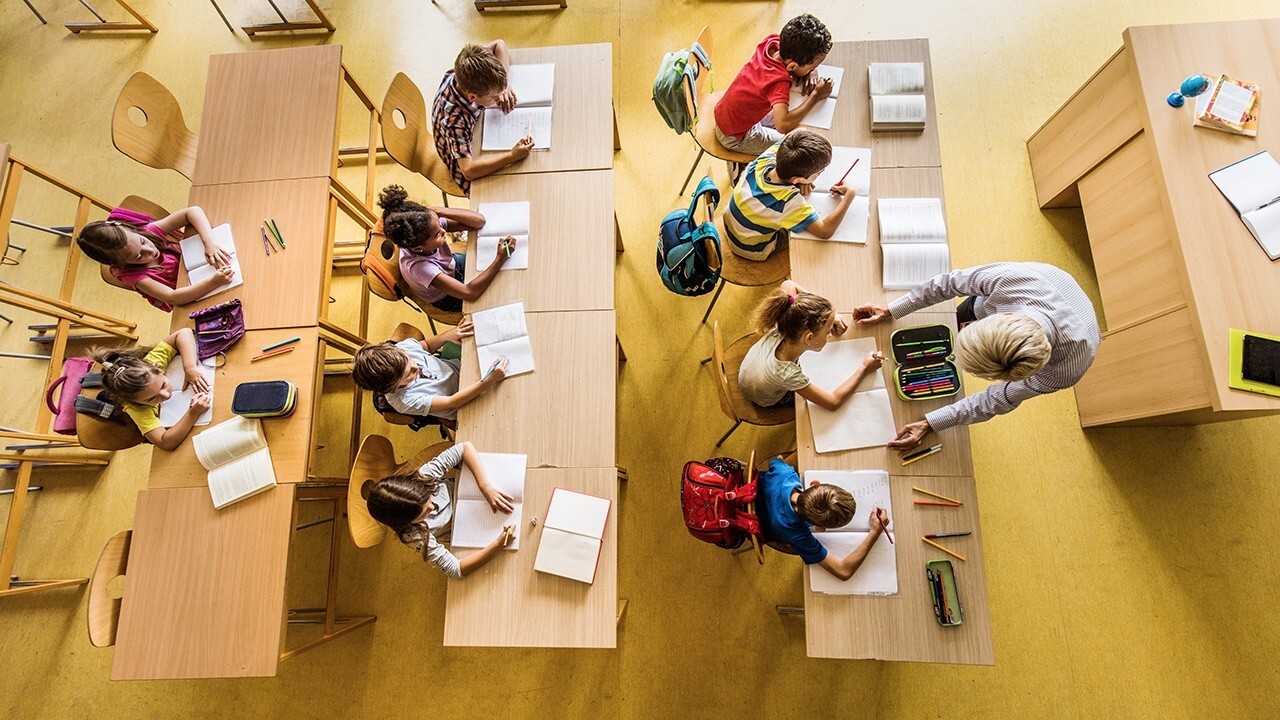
[
  {"x": 865, "y": 419},
  {"x": 913, "y": 241},
  {"x": 502, "y": 219},
  {"x": 534, "y": 86},
  {"x": 822, "y": 114},
  {"x": 853, "y": 228},
  {"x": 1252, "y": 186},
  {"x": 172, "y": 410},
  {"x": 897, "y": 96},
  {"x": 198, "y": 269},
  {"x": 501, "y": 333},
  {"x": 572, "y": 535},
  {"x": 878, "y": 574},
  {"x": 235, "y": 454},
  {"x": 475, "y": 524}
]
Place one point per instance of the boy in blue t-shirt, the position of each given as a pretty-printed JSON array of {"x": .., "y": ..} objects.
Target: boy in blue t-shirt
[{"x": 788, "y": 510}]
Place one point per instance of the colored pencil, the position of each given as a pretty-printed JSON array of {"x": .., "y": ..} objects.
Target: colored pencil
[
  {"x": 489, "y": 372},
  {"x": 954, "y": 555},
  {"x": 273, "y": 353},
  {"x": 934, "y": 494},
  {"x": 506, "y": 536},
  {"x": 846, "y": 172},
  {"x": 885, "y": 526},
  {"x": 936, "y": 502},
  {"x": 921, "y": 454},
  {"x": 275, "y": 230},
  {"x": 922, "y": 342},
  {"x": 282, "y": 343},
  {"x": 265, "y": 245},
  {"x": 950, "y": 534}
]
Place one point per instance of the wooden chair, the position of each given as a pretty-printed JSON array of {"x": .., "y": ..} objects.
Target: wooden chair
[
  {"x": 163, "y": 141},
  {"x": 375, "y": 460},
  {"x": 321, "y": 22},
  {"x": 102, "y": 24},
  {"x": 482, "y": 5},
  {"x": 383, "y": 253},
  {"x": 95, "y": 433},
  {"x": 732, "y": 403},
  {"x": 413, "y": 145},
  {"x": 737, "y": 270},
  {"x": 698, "y": 99},
  {"x": 104, "y": 610}
]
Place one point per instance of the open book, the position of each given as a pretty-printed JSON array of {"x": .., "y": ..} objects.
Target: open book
[
  {"x": 865, "y": 419},
  {"x": 1229, "y": 105},
  {"x": 821, "y": 114},
  {"x": 913, "y": 240},
  {"x": 572, "y": 535},
  {"x": 853, "y": 228},
  {"x": 1252, "y": 186},
  {"x": 878, "y": 574},
  {"x": 501, "y": 333},
  {"x": 500, "y": 220},
  {"x": 475, "y": 524},
  {"x": 897, "y": 96},
  {"x": 172, "y": 410},
  {"x": 533, "y": 86},
  {"x": 198, "y": 269},
  {"x": 235, "y": 454}
]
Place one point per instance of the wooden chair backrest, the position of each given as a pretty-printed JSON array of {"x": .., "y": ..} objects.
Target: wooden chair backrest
[
  {"x": 403, "y": 331},
  {"x": 695, "y": 94},
  {"x": 164, "y": 141},
  {"x": 104, "y": 610},
  {"x": 96, "y": 433},
  {"x": 722, "y": 379},
  {"x": 412, "y": 146},
  {"x": 374, "y": 460},
  {"x": 382, "y": 260},
  {"x": 4, "y": 177}
]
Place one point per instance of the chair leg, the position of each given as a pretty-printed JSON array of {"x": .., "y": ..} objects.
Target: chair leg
[
  {"x": 445, "y": 195},
  {"x": 693, "y": 167},
  {"x": 37, "y": 12},
  {"x": 432, "y": 321},
  {"x": 736, "y": 423},
  {"x": 789, "y": 610},
  {"x": 714, "y": 298},
  {"x": 622, "y": 474},
  {"x": 706, "y": 360}
]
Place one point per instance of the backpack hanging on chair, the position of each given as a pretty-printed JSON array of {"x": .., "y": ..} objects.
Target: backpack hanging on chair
[
  {"x": 676, "y": 76},
  {"x": 715, "y": 500},
  {"x": 688, "y": 251}
]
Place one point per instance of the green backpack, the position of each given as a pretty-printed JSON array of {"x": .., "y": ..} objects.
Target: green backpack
[{"x": 675, "y": 77}]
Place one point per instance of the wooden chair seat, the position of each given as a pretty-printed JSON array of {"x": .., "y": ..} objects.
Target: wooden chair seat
[
  {"x": 737, "y": 270},
  {"x": 104, "y": 610},
  {"x": 744, "y": 409},
  {"x": 704, "y": 132},
  {"x": 163, "y": 141},
  {"x": 375, "y": 460}
]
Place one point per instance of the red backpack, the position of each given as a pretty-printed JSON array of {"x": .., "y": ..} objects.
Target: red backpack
[{"x": 714, "y": 497}]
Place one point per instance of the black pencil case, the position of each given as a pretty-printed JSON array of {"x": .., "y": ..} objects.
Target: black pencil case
[
  {"x": 271, "y": 398},
  {"x": 925, "y": 357}
]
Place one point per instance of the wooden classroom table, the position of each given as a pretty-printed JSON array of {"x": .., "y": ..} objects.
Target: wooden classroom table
[
  {"x": 571, "y": 253},
  {"x": 507, "y": 603},
  {"x": 902, "y": 626},
  {"x": 1176, "y": 267},
  {"x": 584, "y": 131}
]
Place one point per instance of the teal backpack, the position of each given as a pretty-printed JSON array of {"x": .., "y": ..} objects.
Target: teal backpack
[
  {"x": 675, "y": 77},
  {"x": 689, "y": 251}
]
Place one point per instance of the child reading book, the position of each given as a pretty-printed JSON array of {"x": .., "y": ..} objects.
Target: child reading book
[{"x": 136, "y": 378}]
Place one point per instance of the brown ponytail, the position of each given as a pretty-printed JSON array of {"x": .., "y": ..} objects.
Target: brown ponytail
[
  {"x": 124, "y": 373},
  {"x": 397, "y": 500},
  {"x": 792, "y": 315}
]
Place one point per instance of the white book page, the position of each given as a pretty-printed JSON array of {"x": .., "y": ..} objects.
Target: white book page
[
  {"x": 504, "y": 218},
  {"x": 1265, "y": 226},
  {"x": 918, "y": 220},
  {"x": 172, "y": 410},
  {"x": 907, "y": 265},
  {"x": 1231, "y": 102},
  {"x": 568, "y": 555},
  {"x": 487, "y": 252},
  {"x": 878, "y": 574},
  {"x": 842, "y": 159},
  {"x": 241, "y": 478},
  {"x": 204, "y": 271},
  {"x": 1250, "y": 183},
  {"x": 891, "y": 78},
  {"x": 866, "y": 418},
  {"x": 517, "y": 351},
  {"x": 193, "y": 247},
  {"x": 532, "y": 84},
  {"x": 577, "y": 512},
  {"x": 501, "y": 323},
  {"x": 852, "y": 228},
  {"x": 870, "y": 488},
  {"x": 503, "y": 130},
  {"x": 822, "y": 115},
  {"x": 229, "y": 440},
  {"x": 837, "y": 361},
  {"x": 897, "y": 109},
  {"x": 475, "y": 524}
]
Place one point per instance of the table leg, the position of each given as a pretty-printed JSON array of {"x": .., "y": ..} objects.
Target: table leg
[
  {"x": 622, "y": 608},
  {"x": 617, "y": 139},
  {"x": 617, "y": 234},
  {"x": 622, "y": 355}
]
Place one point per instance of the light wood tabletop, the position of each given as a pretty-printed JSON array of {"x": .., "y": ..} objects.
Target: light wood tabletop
[
  {"x": 582, "y": 123},
  {"x": 507, "y": 603},
  {"x": 902, "y": 626},
  {"x": 571, "y": 250},
  {"x": 300, "y": 211},
  {"x": 563, "y": 414},
  {"x": 270, "y": 115},
  {"x": 196, "y": 604},
  {"x": 289, "y": 438}
]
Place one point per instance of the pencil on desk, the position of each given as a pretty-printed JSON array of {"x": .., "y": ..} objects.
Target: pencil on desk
[
  {"x": 275, "y": 230},
  {"x": 934, "y": 494},
  {"x": 273, "y": 353},
  {"x": 952, "y": 554},
  {"x": 265, "y": 245},
  {"x": 846, "y": 172},
  {"x": 282, "y": 343},
  {"x": 950, "y": 534},
  {"x": 921, "y": 454},
  {"x": 506, "y": 536},
  {"x": 936, "y": 502}
]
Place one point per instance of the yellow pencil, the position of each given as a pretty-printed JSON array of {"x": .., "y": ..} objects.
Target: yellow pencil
[
  {"x": 506, "y": 536},
  {"x": 934, "y": 494},
  {"x": 954, "y": 555}
]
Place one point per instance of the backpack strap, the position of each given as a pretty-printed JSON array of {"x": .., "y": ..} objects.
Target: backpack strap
[{"x": 706, "y": 186}]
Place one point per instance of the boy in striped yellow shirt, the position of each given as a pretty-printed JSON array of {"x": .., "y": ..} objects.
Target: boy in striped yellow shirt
[{"x": 770, "y": 199}]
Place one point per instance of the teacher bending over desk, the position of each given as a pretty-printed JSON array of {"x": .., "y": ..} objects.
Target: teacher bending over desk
[{"x": 1026, "y": 324}]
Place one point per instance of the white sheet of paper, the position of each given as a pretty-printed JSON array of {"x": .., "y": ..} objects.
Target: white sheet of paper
[
  {"x": 870, "y": 488},
  {"x": 172, "y": 410},
  {"x": 893, "y": 78},
  {"x": 475, "y": 524},
  {"x": 878, "y": 574},
  {"x": 852, "y": 228},
  {"x": 866, "y": 418},
  {"x": 822, "y": 114},
  {"x": 842, "y": 157},
  {"x": 1249, "y": 183},
  {"x": 501, "y": 323},
  {"x": 503, "y": 219},
  {"x": 568, "y": 555},
  {"x": 907, "y": 265},
  {"x": 914, "y": 220},
  {"x": 503, "y": 130},
  {"x": 517, "y": 351},
  {"x": 241, "y": 478},
  {"x": 198, "y": 269},
  {"x": 533, "y": 84},
  {"x": 577, "y": 512},
  {"x": 487, "y": 252},
  {"x": 898, "y": 109}
]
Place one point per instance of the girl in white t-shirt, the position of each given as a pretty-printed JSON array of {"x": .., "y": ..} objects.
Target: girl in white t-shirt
[{"x": 793, "y": 322}]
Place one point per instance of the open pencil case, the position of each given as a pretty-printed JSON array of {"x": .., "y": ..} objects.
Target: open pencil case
[
  {"x": 925, "y": 358},
  {"x": 947, "y": 608}
]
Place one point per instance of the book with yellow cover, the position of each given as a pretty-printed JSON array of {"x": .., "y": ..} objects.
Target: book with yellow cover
[{"x": 1229, "y": 105}]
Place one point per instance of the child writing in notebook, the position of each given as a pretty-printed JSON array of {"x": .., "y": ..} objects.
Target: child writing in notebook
[
  {"x": 478, "y": 80},
  {"x": 136, "y": 378},
  {"x": 415, "y": 381},
  {"x": 433, "y": 273},
  {"x": 418, "y": 506},
  {"x": 772, "y": 197},
  {"x": 794, "y": 322},
  {"x": 147, "y": 257}
]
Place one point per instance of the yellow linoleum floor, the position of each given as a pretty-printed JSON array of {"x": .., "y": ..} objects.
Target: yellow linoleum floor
[{"x": 1129, "y": 571}]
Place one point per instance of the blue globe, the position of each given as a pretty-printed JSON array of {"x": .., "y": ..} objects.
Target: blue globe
[{"x": 1194, "y": 85}]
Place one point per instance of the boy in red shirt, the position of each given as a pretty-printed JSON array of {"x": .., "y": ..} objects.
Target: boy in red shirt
[{"x": 753, "y": 114}]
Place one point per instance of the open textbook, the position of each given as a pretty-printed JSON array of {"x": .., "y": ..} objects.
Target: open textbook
[
  {"x": 913, "y": 241},
  {"x": 475, "y": 524},
  {"x": 235, "y": 454},
  {"x": 198, "y": 268},
  {"x": 897, "y": 96},
  {"x": 501, "y": 333},
  {"x": 172, "y": 410},
  {"x": 866, "y": 418},
  {"x": 822, "y": 114},
  {"x": 572, "y": 535},
  {"x": 533, "y": 86},
  {"x": 502, "y": 219},
  {"x": 853, "y": 228},
  {"x": 1252, "y": 186},
  {"x": 878, "y": 574}
]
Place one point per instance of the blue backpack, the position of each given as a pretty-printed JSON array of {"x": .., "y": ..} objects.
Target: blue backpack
[{"x": 688, "y": 251}]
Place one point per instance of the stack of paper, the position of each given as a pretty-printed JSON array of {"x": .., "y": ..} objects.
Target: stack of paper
[
  {"x": 821, "y": 114},
  {"x": 853, "y": 228},
  {"x": 475, "y": 522},
  {"x": 501, "y": 333},
  {"x": 172, "y": 410},
  {"x": 503, "y": 219},
  {"x": 198, "y": 269},
  {"x": 913, "y": 240},
  {"x": 865, "y": 419},
  {"x": 572, "y": 535},
  {"x": 878, "y": 574},
  {"x": 533, "y": 86}
]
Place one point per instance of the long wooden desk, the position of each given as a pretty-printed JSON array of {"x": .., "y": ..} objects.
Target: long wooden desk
[
  {"x": 1176, "y": 267},
  {"x": 900, "y": 627}
]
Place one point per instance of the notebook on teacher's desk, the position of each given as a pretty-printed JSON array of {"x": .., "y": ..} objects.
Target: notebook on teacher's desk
[
  {"x": 1252, "y": 186},
  {"x": 235, "y": 454},
  {"x": 572, "y": 535},
  {"x": 198, "y": 268}
]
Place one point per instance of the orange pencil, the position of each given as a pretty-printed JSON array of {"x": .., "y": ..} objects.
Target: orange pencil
[
  {"x": 936, "y": 502},
  {"x": 273, "y": 353},
  {"x": 954, "y": 555}
]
